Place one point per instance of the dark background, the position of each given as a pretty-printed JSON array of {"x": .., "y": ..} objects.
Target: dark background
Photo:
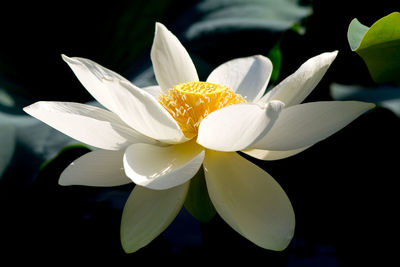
[{"x": 343, "y": 189}]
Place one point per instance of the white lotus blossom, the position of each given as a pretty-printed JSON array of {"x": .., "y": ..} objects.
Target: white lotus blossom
[{"x": 160, "y": 136}]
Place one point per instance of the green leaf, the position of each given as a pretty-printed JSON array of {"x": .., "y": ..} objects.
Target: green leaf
[
  {"x": 51, "y": 169},
  {"x": 36, "y": 143},
  {"x": 64, "y": 150},
  {"x": 355, "y": 33},
  {"x": 379, "y": 47},
  {"x": 275, "y": 55},
  {"x": 198, "y": 202}
]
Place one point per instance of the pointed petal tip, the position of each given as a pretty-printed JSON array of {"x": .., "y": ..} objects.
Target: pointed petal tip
[
  {"x": 364, "y": 106},
  {"x": 31, "y": 107},
  {"x": 127, "y": 249},
  {"x": 334, "y": 53},
  {"x": 283, "y": 246},
  {"x": 370, "y": 105},
  {"x": 62, "y": 182},
  {"x": 159, "y": 24},
  {"x": 127, "y": 245},
  {"x": 26, "y": 109},
  {"x": 68, "y": 59},
  {"x": 160, "y": 28},
  {"x": 331, "y": 56}
]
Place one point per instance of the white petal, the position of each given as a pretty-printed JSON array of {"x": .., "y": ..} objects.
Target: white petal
[
  {"x": 249, "y": 200},
  {"x": 147, "y": 213},
  {"x": 93, "y": 77},
  {"x": 171, "y": 62},
  {"x": 154, "y": 90},
  {"x": 96, "y": 168},
  {"x": 91, "y": 125},
  {"x": 133, "y": 105},
  {"x": 272, "y": 154},
  {"x": 144, "y": 113},
  {"x": 237, "y": 127},
  {"x": 306, "y": 124},
  {"x": 162, "y": 167},
  {"x": 296, "y": 87},
  {"x": 246, "y": 76}
]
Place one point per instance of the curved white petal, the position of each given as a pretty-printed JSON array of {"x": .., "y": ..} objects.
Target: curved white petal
[
  {"x": 249, "y": 200},
  {"x": 88, "y": 124},
  {"x": 306, "y": 124},
  {"x": 296, "y": 87},
  {"x": 237, "y": 127},
  {"x": 171, "y": 62},
  {"x": 144, "y": 113},
  {"x": 96, "y": 168},
  {"x": 162, "y": 167},
  {"x": 94, "y": 78},
  {"x": 248, "y": 76},
  {"x": 147, "y": 213},
  {"x": 135, "y": 106},
  {"x": 272, "y": 154},
  {"x": 154, "y": 90}
]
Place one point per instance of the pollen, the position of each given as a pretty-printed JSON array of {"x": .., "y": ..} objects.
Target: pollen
[{"x": 190, "y": 103}]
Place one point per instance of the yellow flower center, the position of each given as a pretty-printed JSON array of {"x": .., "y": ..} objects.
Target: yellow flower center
[{"x": 190, "y": 103}]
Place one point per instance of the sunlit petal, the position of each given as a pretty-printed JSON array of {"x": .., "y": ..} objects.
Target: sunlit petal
[
  {"x": 272, "y": 154},
  {"x": 96, "y": 168},
  {"x": 94, "y": 78},
  {"x": 237, "y": 127},
  {"x": 171, "y": 62},
  {"x": 162, "y": 167},
  {"x": 147, "y": 213},
  {"x": 303, "y": 125},
  {"x": 91, "y": 125},
  {"x": 246, "y": 76},
  {"x": 140, "y": 110},
  {"x": 249, "y": 200},
  {"x": 296, "y": 87}
]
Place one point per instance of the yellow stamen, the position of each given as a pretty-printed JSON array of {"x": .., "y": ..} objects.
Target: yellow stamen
[{"x": 190, "y": 103}]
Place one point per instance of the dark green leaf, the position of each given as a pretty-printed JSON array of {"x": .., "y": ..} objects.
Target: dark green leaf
[
  {"x": 64, "y": 150},
  {"x": 275, "y": 55},
  {"x": 198, "y": 202}
]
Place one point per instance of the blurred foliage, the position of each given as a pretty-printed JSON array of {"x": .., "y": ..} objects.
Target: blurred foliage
[
  {"x": 215, "y": 31},
  {"x": 7, "y": 138},
  {"x": 379, "y": 46},
  {"x": 384, "y": 95}
]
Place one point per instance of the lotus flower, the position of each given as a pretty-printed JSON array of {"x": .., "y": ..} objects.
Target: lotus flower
[{"x": 160, "y": 136}]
